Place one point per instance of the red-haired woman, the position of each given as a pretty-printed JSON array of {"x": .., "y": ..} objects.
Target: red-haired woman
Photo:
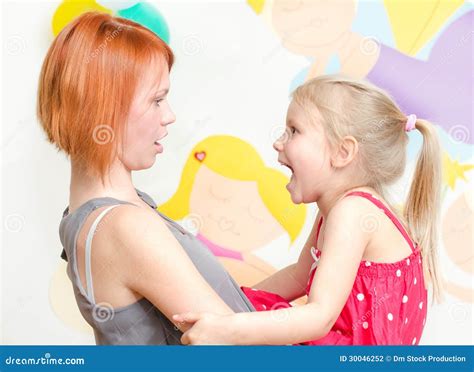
[{"x": 102, "y": 100}]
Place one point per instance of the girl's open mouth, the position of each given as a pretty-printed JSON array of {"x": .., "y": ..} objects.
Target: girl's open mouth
[{"x": 287, "y": 165}]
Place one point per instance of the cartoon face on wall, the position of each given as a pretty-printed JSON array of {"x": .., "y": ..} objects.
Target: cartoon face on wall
[
  {"x": 304, "y": 26},
  {"x": 235, "y": 204},
  {"x": 233, "y": 213}
]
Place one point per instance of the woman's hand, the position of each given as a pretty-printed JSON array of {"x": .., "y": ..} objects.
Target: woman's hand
[{"x": 206, "y": 329}]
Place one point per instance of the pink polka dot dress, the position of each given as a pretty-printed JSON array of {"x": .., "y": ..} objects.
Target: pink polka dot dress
[{"x": 387, "y": 304}]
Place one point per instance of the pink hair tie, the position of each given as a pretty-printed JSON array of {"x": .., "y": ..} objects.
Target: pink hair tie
[{"x": 411, "y": 121}]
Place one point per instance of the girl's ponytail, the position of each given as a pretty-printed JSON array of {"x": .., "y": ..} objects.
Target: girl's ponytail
[{"x": 423, "y": 204}]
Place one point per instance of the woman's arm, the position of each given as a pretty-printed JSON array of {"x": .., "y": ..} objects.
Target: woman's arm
[
  {"x": 343, "y": 249},
  {"x": 290, "y": 282},
  {"x": 155, "y": 265}
]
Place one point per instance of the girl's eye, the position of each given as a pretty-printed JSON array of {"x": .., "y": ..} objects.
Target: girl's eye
[
  {"x": 157, "y": 101},
  {"x": 292, "y": 130}
]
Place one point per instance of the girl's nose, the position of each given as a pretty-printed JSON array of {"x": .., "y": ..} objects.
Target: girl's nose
[{"x": 278, "y": 144}]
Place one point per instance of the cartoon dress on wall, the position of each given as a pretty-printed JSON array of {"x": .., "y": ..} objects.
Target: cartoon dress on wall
[
  {"x": 235, "y": 205},
  {"x": 457, "y": 233}
]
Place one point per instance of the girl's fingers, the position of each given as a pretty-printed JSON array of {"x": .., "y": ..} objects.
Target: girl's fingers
[
  {"x": 178, "y": 318},
  {"x": 185, "y": 338},
  {"x": 187, "y": 317}
]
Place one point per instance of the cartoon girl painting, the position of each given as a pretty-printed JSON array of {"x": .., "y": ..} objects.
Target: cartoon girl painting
[{"x": 235, "y": 204}]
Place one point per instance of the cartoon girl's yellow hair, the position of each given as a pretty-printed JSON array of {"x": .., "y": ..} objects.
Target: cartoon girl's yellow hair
[{"x": 234, "y": 158}]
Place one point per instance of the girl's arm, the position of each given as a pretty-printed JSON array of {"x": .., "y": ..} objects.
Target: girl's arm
[
  {"x": 277, "y": 327},
  {"x": 343, "y": 249},
  {"x": 290, "y": 282}
]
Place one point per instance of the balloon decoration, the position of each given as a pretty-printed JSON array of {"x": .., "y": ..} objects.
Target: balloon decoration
[
  {"x": 256, "y": 5},
  {"x": 147, "y": 15},
  {"x": 70, "y": 9},
  {"x": 141, "y": 12},
  {"x": 117, "y": 5}
]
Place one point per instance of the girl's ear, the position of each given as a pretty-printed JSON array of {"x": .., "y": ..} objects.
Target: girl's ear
[{"x": 345, "y": 153}]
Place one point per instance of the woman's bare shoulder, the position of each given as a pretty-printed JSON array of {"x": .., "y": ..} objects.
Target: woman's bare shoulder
[
  {"x": 126, "y": 221},
  {"x": 126, "y": 229}
]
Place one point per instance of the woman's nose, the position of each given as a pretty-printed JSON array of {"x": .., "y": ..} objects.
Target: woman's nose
[{"x": 169, "y": 118}]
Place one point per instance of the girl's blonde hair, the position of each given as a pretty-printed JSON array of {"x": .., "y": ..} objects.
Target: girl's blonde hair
[
  {"x": 357, "y": 108},
  {"x": 235, "y": 159}
]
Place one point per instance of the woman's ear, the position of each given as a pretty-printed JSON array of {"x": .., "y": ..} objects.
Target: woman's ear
[{"x": 346, "y": 152}]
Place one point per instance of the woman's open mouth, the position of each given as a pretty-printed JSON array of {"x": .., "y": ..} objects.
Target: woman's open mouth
[{"x": 158, "y": 146}]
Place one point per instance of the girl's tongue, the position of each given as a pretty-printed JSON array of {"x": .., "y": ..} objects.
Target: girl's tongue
[{"x": 290, "y": 184}]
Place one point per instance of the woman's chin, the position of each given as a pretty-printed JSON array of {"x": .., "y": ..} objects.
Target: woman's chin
[{"x": 143, "y": 165}]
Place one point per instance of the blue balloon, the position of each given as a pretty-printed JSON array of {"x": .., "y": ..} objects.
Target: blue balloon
[{"x": 147, "y": 15}]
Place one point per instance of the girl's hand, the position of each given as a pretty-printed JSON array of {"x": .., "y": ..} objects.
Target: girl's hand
[{"x": 206, "y": 329}]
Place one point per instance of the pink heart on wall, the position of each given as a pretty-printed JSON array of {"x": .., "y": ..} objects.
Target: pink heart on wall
[{"x": 200, "y": 156}]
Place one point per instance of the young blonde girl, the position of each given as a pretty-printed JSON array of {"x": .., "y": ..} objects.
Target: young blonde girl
[{"x": 365, "y": 269}]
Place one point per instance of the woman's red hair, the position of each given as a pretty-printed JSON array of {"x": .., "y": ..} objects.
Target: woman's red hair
[{"x": 87, "y": 84}]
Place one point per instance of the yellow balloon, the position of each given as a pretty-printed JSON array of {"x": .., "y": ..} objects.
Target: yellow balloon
[
  {"x": 70, "y": 9},
  {"x": 256, "y": 5},
  {"x": 415, "y": 22}
]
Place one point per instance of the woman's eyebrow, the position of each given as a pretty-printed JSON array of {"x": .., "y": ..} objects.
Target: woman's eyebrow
[{"x": 161, "y": 92}]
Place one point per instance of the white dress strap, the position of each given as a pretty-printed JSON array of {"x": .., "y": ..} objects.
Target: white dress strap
[{"x": 90, "y": 235}]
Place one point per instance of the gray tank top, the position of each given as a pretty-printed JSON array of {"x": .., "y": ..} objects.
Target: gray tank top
[{"x": 139, "y": 323}]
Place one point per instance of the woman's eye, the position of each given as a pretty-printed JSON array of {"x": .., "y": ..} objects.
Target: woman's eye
[
  {"x": 292, "y": 130},
  {"x": 157, "y": 101}
]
